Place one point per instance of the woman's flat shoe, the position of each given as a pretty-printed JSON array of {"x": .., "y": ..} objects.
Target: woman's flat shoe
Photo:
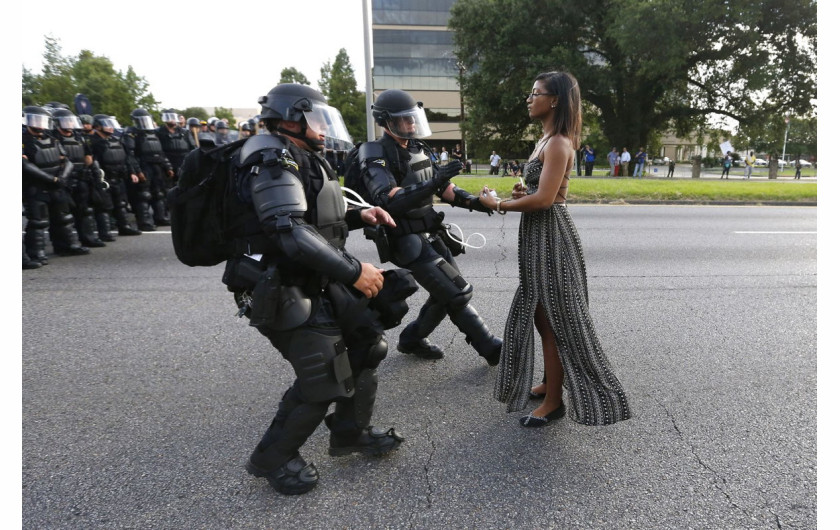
[
  {"x": 534, "y": 395},
  {"x": 542, "y": 421}
]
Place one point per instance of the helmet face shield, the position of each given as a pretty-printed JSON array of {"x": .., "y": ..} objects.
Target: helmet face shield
[
  {"x": 37, "y": 121},
  {"x": 108, "y": 123},
  {"x": 144, "y": 123},
  {"x": 68, "y": 122},
  {"x": 337, "y": 136},
  {"x": 327, "y": 121},
  {"x": 411, "y": 123},
  {"x": 169, "y": 117}
]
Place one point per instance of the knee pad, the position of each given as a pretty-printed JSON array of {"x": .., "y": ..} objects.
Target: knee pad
[
  {"x": 376, "y": 354},
  {"x": 145, "y": 196}
]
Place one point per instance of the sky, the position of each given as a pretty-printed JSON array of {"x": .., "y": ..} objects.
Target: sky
[{"x": 195, "y": 55}]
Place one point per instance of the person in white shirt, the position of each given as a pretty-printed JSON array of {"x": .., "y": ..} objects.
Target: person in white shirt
[
  {"x": 749, "y": 160},
  {"x": 625, "y": 161},
  {"x": 444, "y": 156},
  {"x": 495, "y": 160}
]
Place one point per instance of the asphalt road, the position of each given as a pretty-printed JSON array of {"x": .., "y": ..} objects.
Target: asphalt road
[{"x": 143, "y": 394}]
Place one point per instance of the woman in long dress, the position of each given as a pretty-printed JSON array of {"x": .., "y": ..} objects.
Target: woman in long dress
[{"x": 552, "y": 293}]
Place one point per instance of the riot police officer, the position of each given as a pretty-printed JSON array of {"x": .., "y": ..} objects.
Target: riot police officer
[
  {"x": 174, "y": 140},
  {"x": 399, "y": 175},
  {"x": 194, "y": 126},
  {"x": 46, "y": 199},
  {"x": 112, "y": 158},
  {"x": 246, "y": 129},
  {"x": 85, "y": 175},
  {"x": 148, "y": 161},
  {"x": 222, "y": 130},
  {"x": 312, "y": 299}
]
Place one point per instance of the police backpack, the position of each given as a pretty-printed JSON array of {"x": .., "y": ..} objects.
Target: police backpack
[{"x": 201, "y": 206}]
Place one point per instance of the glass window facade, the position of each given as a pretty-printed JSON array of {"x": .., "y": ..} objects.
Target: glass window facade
[
  {"x": 413, "y": 60},
  {"x": 412, "y": 12}
]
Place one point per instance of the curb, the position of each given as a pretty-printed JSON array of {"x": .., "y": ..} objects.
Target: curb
[{"x": 621, "y": 202}]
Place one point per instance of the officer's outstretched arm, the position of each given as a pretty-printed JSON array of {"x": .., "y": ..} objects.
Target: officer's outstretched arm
[
  {"x": 464, "y": 199},
  {"x": 280, "y": 202},
  {"x": 380, "y": 182}
]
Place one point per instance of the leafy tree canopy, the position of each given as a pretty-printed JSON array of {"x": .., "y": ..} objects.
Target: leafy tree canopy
[
  {"x": 338, "y": 84},
  {"x": 110, "y": 91},
  {"x": 292, "y": 75},
  {"x": 645, "y": 65}
]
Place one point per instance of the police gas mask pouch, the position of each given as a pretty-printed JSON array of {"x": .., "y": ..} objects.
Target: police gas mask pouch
[
  {"x": 380, "y": 237},
  {"x": 266, "y": 297},
  {"x": 242, "y": 273}
]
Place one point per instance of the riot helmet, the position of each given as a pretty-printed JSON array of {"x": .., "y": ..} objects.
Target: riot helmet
[
  {"x": 246, "y": 126},
  {"x": 399, "y": 113},
  {"x": 222, "y": 132},
  {"x": 142, "y": 120},
  {"x": 193, "y": 122},
  {"x": 65, "y": 121},
  {"x": 86, "y": 119},
  {"x": 105, "y": 124},
  {"x": 211, "y": 123},
  {"x": 36, "y": 118},
  {"x": 169, "y": 117},
  {"x": 304, "y": 104}
]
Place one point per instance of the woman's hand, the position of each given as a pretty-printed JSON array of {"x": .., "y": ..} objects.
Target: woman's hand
[
  {"x": 519, "y": 191},
  {"x": 487, "y": 199}
]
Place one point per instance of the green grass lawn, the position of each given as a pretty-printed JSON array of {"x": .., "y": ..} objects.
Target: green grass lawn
[{"x": 617, "y": 189}]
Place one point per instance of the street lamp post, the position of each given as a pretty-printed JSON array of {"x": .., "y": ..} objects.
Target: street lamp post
[{"x": 787, "y": 129}]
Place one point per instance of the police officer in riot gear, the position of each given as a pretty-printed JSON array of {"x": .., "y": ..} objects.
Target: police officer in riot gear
[
  {"x": 112, "y": 158},
  {"x": 222, "y": 130},
  {"x": 148, "y": 161},
  {"x": 85, "y": 175},
  {"x": 399, "y": 175},
  {"x": 174, "y": 140},
  {"x": 47, "y": 203},
  {"x": 194, "y": 127},
  {"x": 246, "y": 129},
  {"x": 312, "y": 299}
]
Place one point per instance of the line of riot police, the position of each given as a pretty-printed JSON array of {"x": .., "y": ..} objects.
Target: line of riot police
[{"x": 82, "y": 175}]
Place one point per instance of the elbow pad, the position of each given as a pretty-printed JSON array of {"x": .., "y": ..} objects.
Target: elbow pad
[
  {"x": 412, "y": 197},
  {"x": 304, "y": 245}
]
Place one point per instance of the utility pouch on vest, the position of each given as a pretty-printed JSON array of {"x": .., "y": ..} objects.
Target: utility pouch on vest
[{"x": 454, "y": 247}]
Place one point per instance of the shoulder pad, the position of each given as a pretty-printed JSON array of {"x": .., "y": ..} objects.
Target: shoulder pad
[
  {"x": 257, "y": 143},
  {"x": 371, "y": 150}
]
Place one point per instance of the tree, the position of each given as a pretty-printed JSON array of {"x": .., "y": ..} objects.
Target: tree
[
  {"x": 109, "y": 91},
  {"x": 293, "y": 75},
  {"x": 225, "y": 113},
  {"x": 338, "y": 84},
  {"x": 645, "y": 65},
  {"x": 196, "y": 112}
]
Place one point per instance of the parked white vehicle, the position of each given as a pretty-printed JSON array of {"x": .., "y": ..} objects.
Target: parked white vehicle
[
  {"x": 760, "y": 162},
  {"x": 805, "y": 163}
]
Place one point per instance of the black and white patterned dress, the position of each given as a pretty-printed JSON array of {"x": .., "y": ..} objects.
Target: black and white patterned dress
[{"x": 553, "y": 273}]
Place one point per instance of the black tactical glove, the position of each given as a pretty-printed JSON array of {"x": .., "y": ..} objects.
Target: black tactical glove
[{"x": 445, "y": 173}]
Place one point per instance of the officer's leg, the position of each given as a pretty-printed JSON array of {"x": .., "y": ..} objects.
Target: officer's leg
[
  {"x": 63, "y": 234},
  {"x": 138, "y": 197},
  {"x": 83, "y": 215},
  {"x": 119, "y": 195},
  {"x": 37, "y": 215},
  {"x": 350, "y": 428},
  {"x": 28, "y": 263},
  {"x": 157, "y": 190},
  {"x": 446, "y": 285},
  {"x": 409, "y": 252}
]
